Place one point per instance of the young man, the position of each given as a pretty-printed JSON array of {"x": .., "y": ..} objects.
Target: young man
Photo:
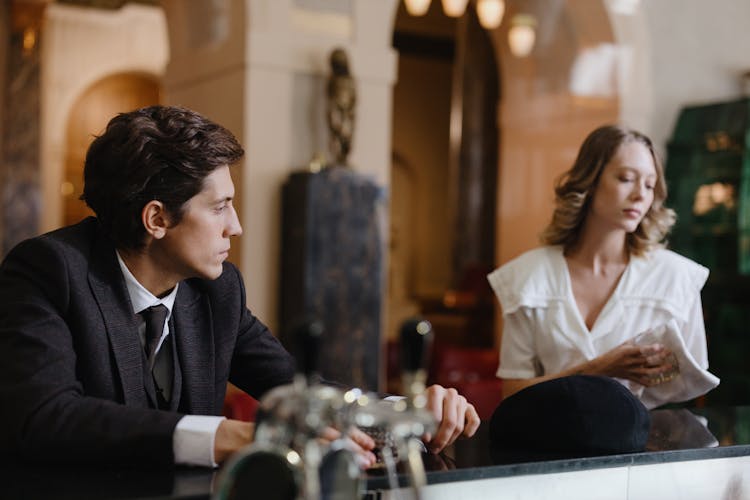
[{"x": 118, "y": 334}]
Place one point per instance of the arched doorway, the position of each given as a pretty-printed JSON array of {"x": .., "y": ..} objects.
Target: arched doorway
[
  {"x": 445, "y": 128},
  {"x": 88, "y": 117},
  {"x": 80, "y": 47}
]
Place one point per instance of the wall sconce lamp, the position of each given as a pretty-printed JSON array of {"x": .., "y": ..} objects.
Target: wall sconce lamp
[
  {"x": 29, "y": 40},
  {"x": 522, "y": 34},
  {"x": 490, "y": 13}
]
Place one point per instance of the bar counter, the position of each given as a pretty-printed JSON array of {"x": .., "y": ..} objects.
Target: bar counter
[{"x": 695, "y": 453}]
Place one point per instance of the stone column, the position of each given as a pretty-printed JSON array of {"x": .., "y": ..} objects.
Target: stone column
[
  {"x": 19, "y": 170},
  {"x": 259, "y": 68},
  {"x": 4, "y": 39}
]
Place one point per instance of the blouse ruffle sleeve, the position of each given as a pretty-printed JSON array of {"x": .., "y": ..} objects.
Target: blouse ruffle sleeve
[{"x": 527, "y": 282}]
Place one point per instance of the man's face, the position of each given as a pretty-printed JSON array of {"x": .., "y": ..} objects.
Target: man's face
[{"x": 198, "y": 245}]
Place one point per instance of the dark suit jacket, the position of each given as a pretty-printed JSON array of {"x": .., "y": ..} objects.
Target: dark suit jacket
[{"x": 71, "y": 362}]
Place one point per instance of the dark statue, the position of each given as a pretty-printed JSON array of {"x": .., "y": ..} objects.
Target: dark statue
[{"x": 342, "y": 97}]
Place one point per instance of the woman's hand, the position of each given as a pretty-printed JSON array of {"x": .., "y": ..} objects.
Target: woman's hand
[{"x": 646, "y": 365}]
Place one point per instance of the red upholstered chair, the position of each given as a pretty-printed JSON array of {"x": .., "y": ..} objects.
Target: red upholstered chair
[
  {"x": 471, "y": 371},
  {"x": 239, "y": 405}
]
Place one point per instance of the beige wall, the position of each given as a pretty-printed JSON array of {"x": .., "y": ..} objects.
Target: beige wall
[
  {"x": 81, "y": 46},
  {"x": 698, "y": 52}
]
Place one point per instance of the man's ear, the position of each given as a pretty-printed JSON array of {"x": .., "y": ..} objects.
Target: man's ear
[{"x": 155, "y": 219}]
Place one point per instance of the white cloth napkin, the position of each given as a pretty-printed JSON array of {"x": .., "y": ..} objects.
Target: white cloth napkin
[{"x": 693, "y": 381}]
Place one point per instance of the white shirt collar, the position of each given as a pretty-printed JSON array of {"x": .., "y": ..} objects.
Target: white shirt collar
[{"x": 139, "y": 296}]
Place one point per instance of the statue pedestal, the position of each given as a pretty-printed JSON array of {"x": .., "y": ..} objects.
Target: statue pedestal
[{"x": 332, "y": 269}]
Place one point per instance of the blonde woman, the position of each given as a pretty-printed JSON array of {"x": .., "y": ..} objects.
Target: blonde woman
[{"x": 603, "y": 276}]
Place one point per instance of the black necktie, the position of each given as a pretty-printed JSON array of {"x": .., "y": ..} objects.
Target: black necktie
[{"x": 155, "y": 317}]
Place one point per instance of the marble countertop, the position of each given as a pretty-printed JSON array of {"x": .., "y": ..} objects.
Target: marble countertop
[{"x": 676, "y": 435}]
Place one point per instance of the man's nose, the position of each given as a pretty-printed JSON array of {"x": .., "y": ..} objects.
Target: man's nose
[{"x": 234, "y": 228}]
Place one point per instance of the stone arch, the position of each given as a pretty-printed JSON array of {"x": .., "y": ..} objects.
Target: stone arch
[
  {"x": 88, "y": 116},
  {"x": 80, "y": 47}
]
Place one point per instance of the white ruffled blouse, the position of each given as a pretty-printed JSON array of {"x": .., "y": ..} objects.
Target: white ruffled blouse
[{"x": 544, "y": 332}]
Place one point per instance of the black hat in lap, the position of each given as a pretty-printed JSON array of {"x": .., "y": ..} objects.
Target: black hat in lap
[{"x": 568, "y": 417}]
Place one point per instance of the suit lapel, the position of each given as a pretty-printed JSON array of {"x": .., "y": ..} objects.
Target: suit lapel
[
  {"x": 174, "y": 404},
  {"x": 195, "y": 350},
  {"x": 111, "y": 295}
]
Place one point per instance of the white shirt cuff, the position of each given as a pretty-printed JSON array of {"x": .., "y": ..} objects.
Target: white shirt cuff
[
  {"x": 393, "y": 399},
  {"x": 193, "y": 440}
]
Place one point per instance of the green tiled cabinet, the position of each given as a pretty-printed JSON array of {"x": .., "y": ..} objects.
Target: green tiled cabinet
[{"x": 708, "y": 174}]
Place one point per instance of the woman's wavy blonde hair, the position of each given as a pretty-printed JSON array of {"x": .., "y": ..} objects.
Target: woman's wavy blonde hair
[{"x": 575, "y": 188}]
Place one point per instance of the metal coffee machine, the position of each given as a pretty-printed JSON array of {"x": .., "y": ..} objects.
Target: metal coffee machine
[{"x": 288, "y": 460}]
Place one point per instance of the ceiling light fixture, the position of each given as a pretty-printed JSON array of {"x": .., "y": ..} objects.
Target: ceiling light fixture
[
  {"x": 490, "y": 13},
  {"x": 522, "y": 34},
  {"x": 417, "y": 7},
  {"x": 454, "y": 8}
]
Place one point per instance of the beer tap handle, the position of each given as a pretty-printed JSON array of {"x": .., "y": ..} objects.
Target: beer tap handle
[
  {"x": 416, "y": 346},
  {"x": 308, "y": 335}
]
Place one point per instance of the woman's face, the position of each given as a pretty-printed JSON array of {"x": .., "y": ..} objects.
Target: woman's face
[{"x": 625, "y": 190}]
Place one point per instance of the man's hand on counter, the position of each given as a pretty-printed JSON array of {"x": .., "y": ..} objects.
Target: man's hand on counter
[
  {"x": 359, "y": 443},
  {"x": 455, "y": 417}
]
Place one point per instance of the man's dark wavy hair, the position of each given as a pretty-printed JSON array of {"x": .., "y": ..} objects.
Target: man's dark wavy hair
[{"x": 155, "y": 153}]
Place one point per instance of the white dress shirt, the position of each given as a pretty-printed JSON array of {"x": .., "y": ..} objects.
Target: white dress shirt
[
  {"x": 194, "y": 436},
  {"x": 544, "y": 332}
]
